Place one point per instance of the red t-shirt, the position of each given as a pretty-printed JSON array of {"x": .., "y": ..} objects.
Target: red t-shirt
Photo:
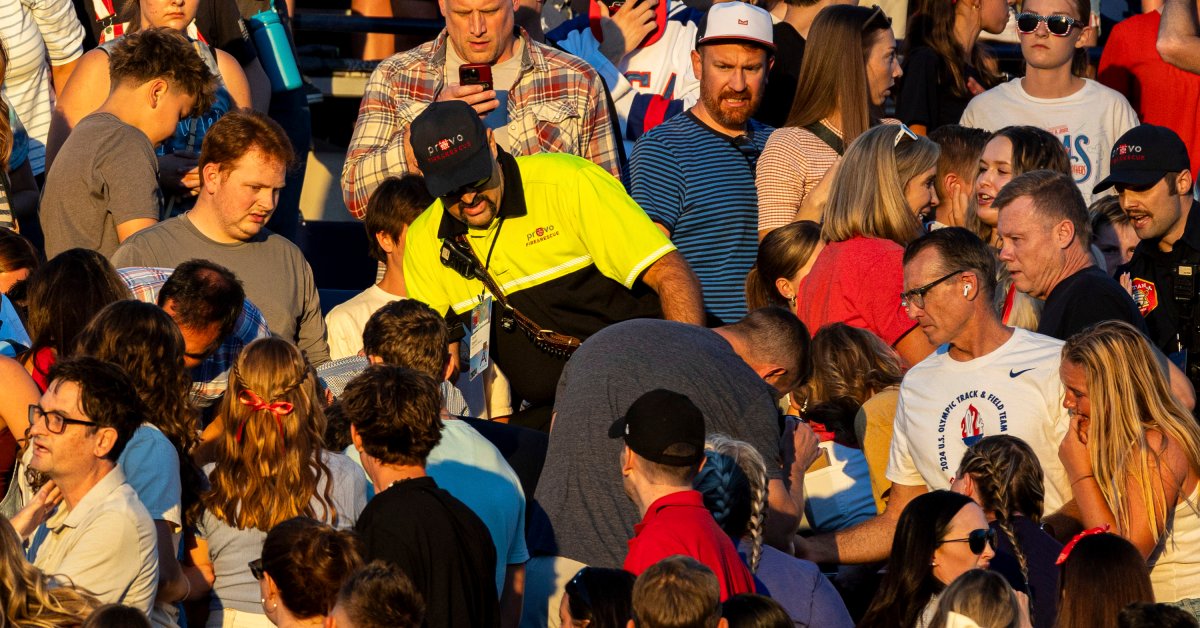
[
  {"x": 857, "y": 282},
  {"x": 1160, "y": 93},
  {"x": 680, "y": 524}
]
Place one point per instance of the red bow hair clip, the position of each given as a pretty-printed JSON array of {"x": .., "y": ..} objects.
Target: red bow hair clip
[
  {"x": 277, "y": 409},
  {"x": 1066, "y": 550}
]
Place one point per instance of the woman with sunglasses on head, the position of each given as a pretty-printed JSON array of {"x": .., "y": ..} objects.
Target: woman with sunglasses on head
[
  {"x": 940, "y": 536},
  {"x": 1132, "y": 454},
  {"x": 1084, "y": 115},
  {"x": 270, "y": 466},
  {"x": 834, "y": 103},
  {"x": 945, "y": 66},
  {"x": 1003, "y": 475},
  {"x": 597, "y": 598},
  {"x": 858, "y": 277},
  {"x": 303, "y": 565}
]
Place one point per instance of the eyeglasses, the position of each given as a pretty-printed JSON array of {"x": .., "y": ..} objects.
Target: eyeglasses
[
  {"x": 56, "y": 423},
  {"x": 903, "y": 133},
  {"x": 746, "y": 146},
  {"x": 976, "y": 540},
  {"x": 877, "y": 14},
  {"x": 916, "y": 296},
  {"x": 256, "y": 568},
  {"x": 460, "y": 191},
  {"x": 1058, "y": 25}
]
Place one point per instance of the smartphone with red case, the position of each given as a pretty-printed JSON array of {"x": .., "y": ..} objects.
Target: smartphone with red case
[{"x": 475, "y": 74}]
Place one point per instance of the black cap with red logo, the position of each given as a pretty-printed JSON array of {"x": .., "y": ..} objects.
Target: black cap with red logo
[
  {"x": 1143, "y": 156},
  {"x": 451, "y": 146}
]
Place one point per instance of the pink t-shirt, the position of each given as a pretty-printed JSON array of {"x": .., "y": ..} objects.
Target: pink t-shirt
[{"x": 857, "y": 282}]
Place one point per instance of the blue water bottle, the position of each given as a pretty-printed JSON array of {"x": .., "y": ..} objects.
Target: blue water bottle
[{"x": 274, "y": 50}]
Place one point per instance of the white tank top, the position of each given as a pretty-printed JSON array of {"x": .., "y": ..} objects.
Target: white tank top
[{"x": 1175, "y": 563}]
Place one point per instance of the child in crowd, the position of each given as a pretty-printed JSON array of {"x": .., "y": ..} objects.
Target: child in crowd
[
  {"x": 957, "y": 165},
  {"x": 394, "y": 205},
  {"x": 1084, "y": 115},
  {"x": 103, "y": 186}
]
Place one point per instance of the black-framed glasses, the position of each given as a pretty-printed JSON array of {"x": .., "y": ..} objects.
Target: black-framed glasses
[
  {"x": 1058, "y": 25},
  {"x": 903, "y": 133},
  {"x": 56, "y": 422},
  {"x": 877, "y": 14},
  {"x": 256, "y": 568},
  {"x": 916, "y": 296},
  {"x": 460, "y": 191},
  {"x": 746, "y": 146},
  {"x": 976, "y": 540}
]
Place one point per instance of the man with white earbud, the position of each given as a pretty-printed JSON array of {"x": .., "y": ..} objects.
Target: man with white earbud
[{"x": 984, "y": 379}]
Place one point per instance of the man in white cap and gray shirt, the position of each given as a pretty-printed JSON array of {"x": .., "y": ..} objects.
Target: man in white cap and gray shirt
[{"x": 694, "y": 174}]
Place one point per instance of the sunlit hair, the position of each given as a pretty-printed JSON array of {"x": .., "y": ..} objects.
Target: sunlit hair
[
  {"x": 28, "y": 597},
  {"x": 878, "y": 210},
  {"x": 677, "y": 591},
  {"x": 781, "y": 254},
  {"x": 309, "y": 561},
  {"x": 6, "y": 132},
  {"x": 1105, "y": 212},
  {"x": 162, "y": 53},
  {"x": 1032, "y": 149},
  {"x": 932, "y": 25},
  {"x": 853, "y": 363},
  {"x": 1129, "y": 397},
  {"x": 981, "y": 595},
  {"x": 142, "y": 339},
  {"x": 909, "y": 583},
  {"x": 241, "y": 131},
  {"x": 64, "y": 294},
  {"x": 1103, "y": 574},
  {"x": 1008, "y": 480},
  {"x": 734, "y": 485},
  {"x": 267, "y": 471},
  {"x": 832, "y": 78},
  {"x": 961, "y": 147}
]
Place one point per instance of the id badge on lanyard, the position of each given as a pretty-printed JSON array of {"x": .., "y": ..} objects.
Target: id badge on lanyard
[{"x": 481, "y": 333}]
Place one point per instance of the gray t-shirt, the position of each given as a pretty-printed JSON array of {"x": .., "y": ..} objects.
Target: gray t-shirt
[
  {"x": 105, "y": 174},
  {"x": 277, "y": 277},
  {"x": 231, "y": 549},
  {"x": 584, "y": 513}
]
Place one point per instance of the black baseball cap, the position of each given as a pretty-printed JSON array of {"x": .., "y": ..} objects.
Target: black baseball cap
[
  {"x": 1143, "y": 155},
  {"x": 664, "y": 427},
  {"x": 451, "y": 146}
]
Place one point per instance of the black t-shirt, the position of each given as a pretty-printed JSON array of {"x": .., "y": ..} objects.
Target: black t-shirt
[
  {"x": 217, "y": 20},
  {"x": 1040, "y": 550},
  {"x": 924, "y": 92},
  {"x": 1153, "y": 274},
  {"x": 781, "y": 82},
  {"x": 1088, "y": 297},
  {"x": 441, "y": 545}
]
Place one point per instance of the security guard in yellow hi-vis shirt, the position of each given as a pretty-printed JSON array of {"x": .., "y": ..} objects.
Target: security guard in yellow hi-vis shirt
[{"x": 539, "y": 252}]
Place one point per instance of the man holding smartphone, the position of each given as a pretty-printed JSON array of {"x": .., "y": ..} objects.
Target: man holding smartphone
[{"x": 534, "y": 98}]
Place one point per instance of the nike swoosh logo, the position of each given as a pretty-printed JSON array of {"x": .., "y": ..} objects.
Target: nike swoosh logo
[{"x": 1012, "y": 373}]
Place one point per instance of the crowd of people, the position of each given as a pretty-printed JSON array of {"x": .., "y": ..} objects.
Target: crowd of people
[{"x": 799, "y": 320}]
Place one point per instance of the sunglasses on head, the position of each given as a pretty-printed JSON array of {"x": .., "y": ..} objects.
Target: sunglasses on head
[
  {"x": 976, "y": 540},
  {"x": 256, "y": 568},
  {"x": 1058, "y": 25}
]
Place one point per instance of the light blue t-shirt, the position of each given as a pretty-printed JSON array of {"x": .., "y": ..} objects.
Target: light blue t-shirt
[
  {"x": 151, "y": 466},
  {"x": 11, "y": 329}
]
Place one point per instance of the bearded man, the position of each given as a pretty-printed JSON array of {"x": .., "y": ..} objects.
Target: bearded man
[{"x": 694, "y": 174}]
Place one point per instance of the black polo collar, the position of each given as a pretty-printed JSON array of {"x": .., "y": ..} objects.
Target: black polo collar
[{"x": 512, "y": 203}]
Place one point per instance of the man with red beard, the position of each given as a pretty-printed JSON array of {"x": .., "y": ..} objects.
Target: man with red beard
[{"x": 694, "y": 174}]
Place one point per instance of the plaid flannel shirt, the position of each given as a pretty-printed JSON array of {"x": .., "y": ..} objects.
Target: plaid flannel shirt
[
  {"x": 211, "y": 378},
  {"x": 557, "y": 105}
]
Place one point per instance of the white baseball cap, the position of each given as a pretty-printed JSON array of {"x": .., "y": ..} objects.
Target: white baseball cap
[{"x": 736, "y": 21}]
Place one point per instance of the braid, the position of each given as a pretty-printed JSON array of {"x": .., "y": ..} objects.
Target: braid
[
  {"x": 725, "y": 489},
  {"x": 748, "y": 490},
  {"x": 1008, "y": 480}
]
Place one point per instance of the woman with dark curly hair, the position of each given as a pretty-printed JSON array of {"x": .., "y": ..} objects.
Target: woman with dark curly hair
[
  {"x": 143, "y": 340},
  {"x": 303, "y": 565}
]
